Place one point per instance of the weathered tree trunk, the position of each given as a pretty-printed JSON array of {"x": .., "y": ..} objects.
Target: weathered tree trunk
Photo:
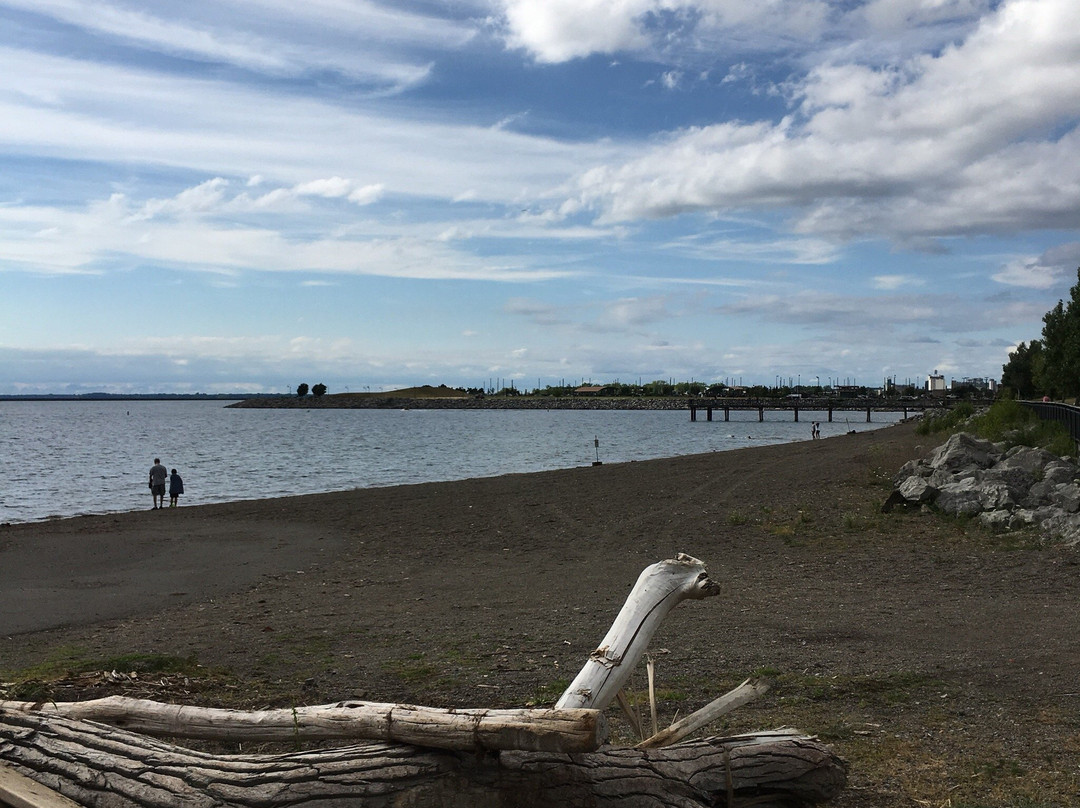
[
  {"x": 104, "y": 767},
  {"x": 659, "y": 589},
  {"x": 438, "y": 728},
  {"x": 547, "y": 757}
]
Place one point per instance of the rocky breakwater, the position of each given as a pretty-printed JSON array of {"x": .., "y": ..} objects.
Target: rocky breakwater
[{"x": 1005, "y": 489}]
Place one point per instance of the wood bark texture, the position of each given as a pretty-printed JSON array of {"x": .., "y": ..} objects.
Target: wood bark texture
[
  {"x": 659, "y": 589},
  {"x": 99, "y": 766},
  {"x": 438, "y": 728}
]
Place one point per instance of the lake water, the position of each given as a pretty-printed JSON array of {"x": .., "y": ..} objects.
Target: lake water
[{"x": 69, "y": 458}]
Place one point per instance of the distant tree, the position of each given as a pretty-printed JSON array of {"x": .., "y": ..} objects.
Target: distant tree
[
  {"x": 1024, "y": 367},
  {"x": 318, "y": 390},
  {"x": 301, "y": 391}
]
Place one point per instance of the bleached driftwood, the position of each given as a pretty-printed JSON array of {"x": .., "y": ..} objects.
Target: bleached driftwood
[
  {"x": 433, "y": 760},
  {"x": 104, "y": 767},
  {"x": 659, "y": 589},
  {"x": 706, "y": 715},
  {"x": 475, "y": 730}
]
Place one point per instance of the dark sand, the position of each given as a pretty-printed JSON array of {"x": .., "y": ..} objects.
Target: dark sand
[{"x": 942, "y": 660}]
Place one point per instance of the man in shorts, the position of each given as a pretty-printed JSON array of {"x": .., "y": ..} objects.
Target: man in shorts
[{"x": 158, "y": 475}]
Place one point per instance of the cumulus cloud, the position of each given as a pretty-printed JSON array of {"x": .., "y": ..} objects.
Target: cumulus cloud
[
  {"x": 1044, "y": 271},
  {"x": 560, "y": 30},
  {"x": 976, "y": 138}
]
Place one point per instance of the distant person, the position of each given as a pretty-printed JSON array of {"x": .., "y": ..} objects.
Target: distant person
[
  {"x": 176, "y": 488},
  {"x": 158, "y": 475}
]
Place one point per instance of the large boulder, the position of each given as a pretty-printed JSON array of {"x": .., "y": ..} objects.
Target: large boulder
[
  {"x": 1058, "y": 471},
  {"x": 1028, "y": 458},
  {"x": 1066, "y": 497},
  {"x": 962, "y": 498},
  {"x": 963, "y": 451},
  {"x": 917, "y": 490}
]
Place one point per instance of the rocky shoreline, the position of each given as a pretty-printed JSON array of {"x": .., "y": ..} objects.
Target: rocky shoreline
[{"x": 1005, "y": 489}]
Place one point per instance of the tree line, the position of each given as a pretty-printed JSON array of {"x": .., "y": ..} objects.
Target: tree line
[{"x": 1049, "y": 366}]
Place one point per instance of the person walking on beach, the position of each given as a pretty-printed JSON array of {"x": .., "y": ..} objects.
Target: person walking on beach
[
  {"x": 176, "y": 488},
  {"x": 158, "y": 475}
]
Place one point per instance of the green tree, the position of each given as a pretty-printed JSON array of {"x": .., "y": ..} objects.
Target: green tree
[
  {"x": 301, "y": 391},
  {"x": 1024, "y": 367},
  {"x": 318, "y": 390},
  {"x": 1060, "y": 375}
]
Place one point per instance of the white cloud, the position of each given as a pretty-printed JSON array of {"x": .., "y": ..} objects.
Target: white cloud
[
  {"x": 331, "y": 188},
  {"x": 559, "y": 30},
  {"x": 269, "y": 36},
  {"x": 892, "y": 282},
  {"x": 1042, "y": 272},
  {"x": 671, "y": 79},
  {"x": 195, "y": 230},
  {"x": 367, "y": 194},
  {"x": 221, "y": 129},
  {"x": 979, "y": 137}
]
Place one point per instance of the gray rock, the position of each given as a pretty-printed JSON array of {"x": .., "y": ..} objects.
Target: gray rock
[
  {"x": 963, "y": 450},
  {"x": 997, "y": 520},
  {"x": 963, "y": 498},
  {"x": 1067, "y": 497},
  {"x": 995, "y": 494},
  {"x": 1062, "y": 527},
  {"x": 1031, "y": 460},
  {"x": 1039, "y": 494},
  {"x": 1007, "y": 490},
  {"x": 917, "y": 490},
  {"x": 1059, "y": 471},
  {"x": 912, "y": 468},
  {"x": 1022, "y": 517}
]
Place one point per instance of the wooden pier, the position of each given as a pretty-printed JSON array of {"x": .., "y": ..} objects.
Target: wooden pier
[{"x": 827, "y": 405}]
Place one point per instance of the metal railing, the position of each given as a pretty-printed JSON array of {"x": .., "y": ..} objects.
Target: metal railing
[{"x": 1066, "y": 414}]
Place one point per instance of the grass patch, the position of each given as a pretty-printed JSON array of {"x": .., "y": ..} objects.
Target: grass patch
[
  {"x": 414, "y": 669},
  {"x": 548, "y": 693},
  {"x": 72, "y": 661}
]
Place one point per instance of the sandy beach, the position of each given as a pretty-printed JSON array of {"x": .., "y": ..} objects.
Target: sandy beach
[{"x": 940, "y": 659}]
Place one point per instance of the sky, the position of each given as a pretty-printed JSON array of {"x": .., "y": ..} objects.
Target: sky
[{"x": 246, "y": 195}]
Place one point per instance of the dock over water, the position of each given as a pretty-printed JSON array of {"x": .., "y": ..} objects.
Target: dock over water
[{"x": 811, "y": 404}]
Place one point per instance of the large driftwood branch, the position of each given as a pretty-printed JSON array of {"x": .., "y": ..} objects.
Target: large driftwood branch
[
  {"x": 104, "y": 767},
  {"x": 659, "y": 589},
  {"x": 475, "y": 730}
]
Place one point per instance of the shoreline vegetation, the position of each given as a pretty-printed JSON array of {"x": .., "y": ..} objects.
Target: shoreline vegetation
[{"x": 935, "y": 655}]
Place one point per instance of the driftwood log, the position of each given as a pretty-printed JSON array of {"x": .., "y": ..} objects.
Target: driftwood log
[
  {"x": 104, "y": 767},
  {"x": 437, "y": 757},
  {"x": 464, "y": 730}
]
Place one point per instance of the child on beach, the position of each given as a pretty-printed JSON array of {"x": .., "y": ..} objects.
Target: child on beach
[{"x": 176, "y": 488}]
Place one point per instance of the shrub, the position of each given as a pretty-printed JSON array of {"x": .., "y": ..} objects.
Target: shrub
[
  {"x": 950, "y": 420},
  {"x": 1013, "y": 424}
]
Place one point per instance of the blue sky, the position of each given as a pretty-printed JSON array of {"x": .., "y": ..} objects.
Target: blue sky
[{"x": 248, "y": 194}]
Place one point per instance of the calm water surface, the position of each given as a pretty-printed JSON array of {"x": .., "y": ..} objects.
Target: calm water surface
[{"x": 70, "y": 458}]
